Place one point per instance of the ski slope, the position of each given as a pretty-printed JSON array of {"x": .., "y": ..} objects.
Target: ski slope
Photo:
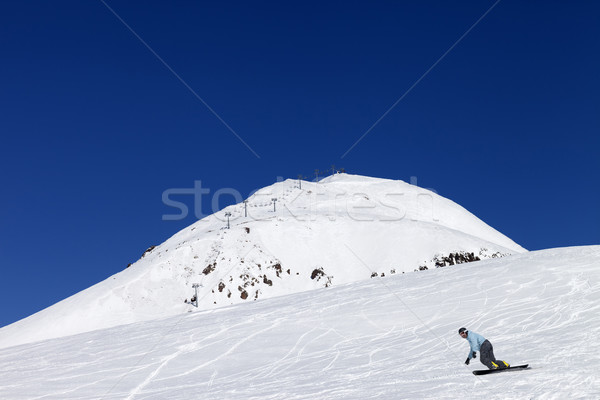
[
  {"x": 316, "y": 235},
  {"x": 383, "y": 338}
]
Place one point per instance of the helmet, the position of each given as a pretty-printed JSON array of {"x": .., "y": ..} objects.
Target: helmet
[{"x": 461, "y": 330}]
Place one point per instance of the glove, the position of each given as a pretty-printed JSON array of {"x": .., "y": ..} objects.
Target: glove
[
  {"x": 474, "y": 355},
  {"x": 468, "y": 361}
]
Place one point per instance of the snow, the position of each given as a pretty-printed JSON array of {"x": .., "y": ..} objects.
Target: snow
[
  {"x": 340, "y": 230},
  {"x": 383, "y": 338}
]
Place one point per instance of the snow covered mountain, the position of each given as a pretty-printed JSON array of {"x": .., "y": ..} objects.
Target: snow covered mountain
[
  {"x": 385, "y": 338},
  {"x": 343, "y": 229}
]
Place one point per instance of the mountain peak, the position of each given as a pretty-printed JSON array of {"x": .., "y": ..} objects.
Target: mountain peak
[
  {"x": 351, "y": 178},
  {"x": 343, "y": 229}
]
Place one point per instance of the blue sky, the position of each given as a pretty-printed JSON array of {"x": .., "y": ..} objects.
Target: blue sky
[{"x": 94, "y": 127}]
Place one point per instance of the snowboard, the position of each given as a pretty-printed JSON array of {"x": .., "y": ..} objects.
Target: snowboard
[{"x": 493, "y": 371}]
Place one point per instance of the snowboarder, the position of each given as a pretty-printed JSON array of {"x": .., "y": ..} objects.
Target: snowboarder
[{"x": 484, "y": 347}]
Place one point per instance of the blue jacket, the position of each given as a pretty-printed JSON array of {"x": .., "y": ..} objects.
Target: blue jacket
[{"x": 475, "y": 340}]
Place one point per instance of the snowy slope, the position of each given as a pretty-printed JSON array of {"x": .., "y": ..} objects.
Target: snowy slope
[
  {"x": 342, "y": 229},
  {"x": 385, "y": 338}
]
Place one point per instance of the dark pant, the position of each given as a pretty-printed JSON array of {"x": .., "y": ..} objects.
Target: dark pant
[{"x": 486, "y": 355}]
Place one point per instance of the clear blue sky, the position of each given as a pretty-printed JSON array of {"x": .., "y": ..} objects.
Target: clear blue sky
[{"x": 94, "y": 127}]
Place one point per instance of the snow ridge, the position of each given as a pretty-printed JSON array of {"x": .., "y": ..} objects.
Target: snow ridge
[{"x": 392, "y": 338}]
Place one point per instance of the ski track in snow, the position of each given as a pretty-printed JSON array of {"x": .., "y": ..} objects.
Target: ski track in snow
[{"x": 355, "y": 341}]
